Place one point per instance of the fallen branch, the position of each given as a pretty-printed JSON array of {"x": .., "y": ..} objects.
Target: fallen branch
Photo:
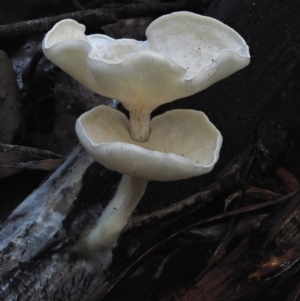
[
  {"x": 201, "y": 197},
  {"x": 38, "y": 219},
  {"x": 21, "y": 29},
  {"x": 102, "y": 15},
  {"x": 48, "y": 165},
  {"x": 28, "y": 151}
]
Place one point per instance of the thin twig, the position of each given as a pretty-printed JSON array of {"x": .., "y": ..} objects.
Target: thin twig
[
  {"x": 49, "y": 165},
  {"x": 77, "y": 4},
  {"x": 102, "y": 16},
  {"x": 28, "y": 151},
  {"x": 204, "y": 196},
  {"x": 20, "y": 29}
]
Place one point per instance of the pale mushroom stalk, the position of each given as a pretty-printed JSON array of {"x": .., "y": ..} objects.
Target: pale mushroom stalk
[
  {"x": 115, "y": 216},
  {"x": 139, "y": 125},
  {"x": 117, "y": 200}
]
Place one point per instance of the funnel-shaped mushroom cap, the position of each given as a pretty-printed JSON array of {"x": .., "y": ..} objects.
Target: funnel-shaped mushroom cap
[
  {"x": 184, "y": 54},
  {"x": 182, "y": 144}
]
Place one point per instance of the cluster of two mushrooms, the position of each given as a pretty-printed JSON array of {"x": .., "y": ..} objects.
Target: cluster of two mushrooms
[{"x": 184, "y": 54}]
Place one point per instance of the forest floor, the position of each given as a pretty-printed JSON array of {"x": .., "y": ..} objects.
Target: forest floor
[{"x": 237, "y": 239}]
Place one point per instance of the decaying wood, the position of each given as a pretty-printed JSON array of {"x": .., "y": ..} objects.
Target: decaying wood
[
  {"x": 28, "y": 151},
  {"x": 259, "y": 262},
  {"x": 231, "y": 213},
  {"x": 48, "y": 164},
  {"x": 42, "y": 212}
]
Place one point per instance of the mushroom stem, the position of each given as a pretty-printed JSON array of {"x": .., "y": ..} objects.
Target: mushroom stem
[
  {"x": 115, "y": 216},
  {"x": 117, "y": 200},
  {"x": 139, "y": 125}
]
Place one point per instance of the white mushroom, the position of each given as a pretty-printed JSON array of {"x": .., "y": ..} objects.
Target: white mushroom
[
  {"x": 181, "y": 144},
  {"x": 184, "y": 54}
]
